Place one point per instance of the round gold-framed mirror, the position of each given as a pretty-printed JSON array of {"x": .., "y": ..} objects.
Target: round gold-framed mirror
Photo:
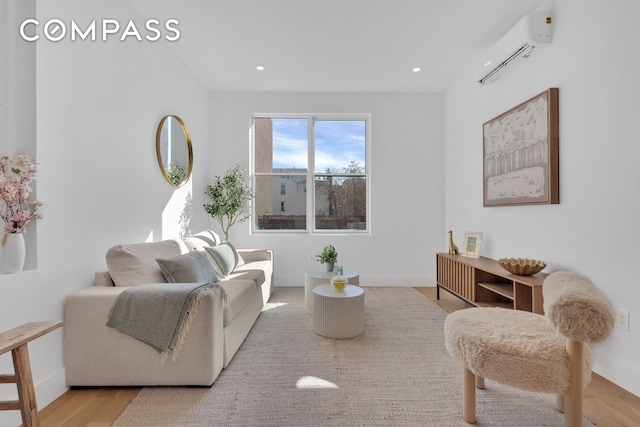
[{"x": 174, "y": 151}]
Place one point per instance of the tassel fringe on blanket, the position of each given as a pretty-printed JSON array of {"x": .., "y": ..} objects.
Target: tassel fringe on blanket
[{"x": 175, "y": 348}]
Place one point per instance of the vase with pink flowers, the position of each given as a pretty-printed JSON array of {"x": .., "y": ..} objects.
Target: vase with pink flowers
[{"x": 17, "y": 209}]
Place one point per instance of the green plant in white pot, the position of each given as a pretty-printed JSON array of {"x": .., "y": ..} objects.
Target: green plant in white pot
[
  {"x": 229, "y": 199},
  {"x": 328, "y": 256}
]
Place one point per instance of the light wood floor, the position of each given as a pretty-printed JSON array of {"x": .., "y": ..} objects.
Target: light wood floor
[{"x": 605, "y": 404}]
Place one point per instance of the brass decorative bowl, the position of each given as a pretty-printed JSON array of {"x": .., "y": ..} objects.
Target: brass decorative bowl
[{"x": 522, "y": 266}]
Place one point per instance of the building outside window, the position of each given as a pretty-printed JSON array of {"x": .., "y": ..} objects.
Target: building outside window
[{"x": 316, "y": 166}]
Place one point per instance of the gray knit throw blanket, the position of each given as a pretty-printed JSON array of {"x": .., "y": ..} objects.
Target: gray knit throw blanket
[{"x": 160, "y": 314}]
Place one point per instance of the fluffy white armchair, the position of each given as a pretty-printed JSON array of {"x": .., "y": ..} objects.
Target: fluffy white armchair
[{"x": 530, "y": 351}]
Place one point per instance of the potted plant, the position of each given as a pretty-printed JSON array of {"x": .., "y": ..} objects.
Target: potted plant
[
  {"x": 16, "y": 209},
  {"x": 328, "y": 256},
  {"x": 230, "y": 197}
]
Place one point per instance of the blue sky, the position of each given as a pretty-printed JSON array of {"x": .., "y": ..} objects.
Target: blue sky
[{"x": 337, "y": 143}]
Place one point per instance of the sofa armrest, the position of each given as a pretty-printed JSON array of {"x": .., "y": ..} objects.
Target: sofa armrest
[
  {"x": 97, "y": 355},
  {"x": 251, "y": 255},
  {"x": 103, "y": 278}
]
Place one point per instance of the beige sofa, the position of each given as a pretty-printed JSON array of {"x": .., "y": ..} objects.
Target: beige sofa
[{"x": 97, "y": 355}]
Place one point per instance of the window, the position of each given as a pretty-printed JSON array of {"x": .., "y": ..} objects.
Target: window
[{"x": 319, "y": 164}]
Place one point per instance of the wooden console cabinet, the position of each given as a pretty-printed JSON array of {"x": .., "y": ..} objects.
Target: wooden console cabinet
[{"x": 484, "y": 283}]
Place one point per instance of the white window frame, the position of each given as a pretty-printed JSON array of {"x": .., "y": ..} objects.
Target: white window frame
[{"x": 311, "y": 174}]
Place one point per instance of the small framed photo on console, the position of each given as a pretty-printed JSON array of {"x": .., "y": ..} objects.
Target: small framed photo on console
[{"x": 472, "y": 243}]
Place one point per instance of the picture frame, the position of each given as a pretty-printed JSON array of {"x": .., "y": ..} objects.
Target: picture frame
[
  {"x": 520, "y": 154},
  {"x": 472, "y": 244}
]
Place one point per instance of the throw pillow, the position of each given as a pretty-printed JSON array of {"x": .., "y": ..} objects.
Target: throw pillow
[
  {"x": 223, "y": 258},
  {"x": 192, "y": 267},
  {"x": 135, "y": 264},
  {"x": 239, "y": 259}
]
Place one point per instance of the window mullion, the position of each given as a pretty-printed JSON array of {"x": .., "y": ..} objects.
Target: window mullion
[{"x": 311, "y": 181}]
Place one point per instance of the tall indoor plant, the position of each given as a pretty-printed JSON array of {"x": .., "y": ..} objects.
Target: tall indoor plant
[
  {"x": 229, "y": 199},
  {"x": 16, "y": 209}
]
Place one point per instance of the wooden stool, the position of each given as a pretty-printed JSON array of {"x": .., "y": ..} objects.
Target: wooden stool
[{"x": 16, "y": 340}]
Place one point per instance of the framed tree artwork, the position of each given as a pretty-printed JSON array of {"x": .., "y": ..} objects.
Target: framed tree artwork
[{"x": 520, "y": 151}]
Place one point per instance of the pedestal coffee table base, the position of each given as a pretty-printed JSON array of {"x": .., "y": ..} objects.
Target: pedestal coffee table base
[{"x": 338, "y": 314}]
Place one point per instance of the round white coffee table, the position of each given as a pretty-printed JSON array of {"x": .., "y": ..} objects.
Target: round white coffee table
[
  {"x": 338, "y": 314},
  {"x": 320, "y": 276}
]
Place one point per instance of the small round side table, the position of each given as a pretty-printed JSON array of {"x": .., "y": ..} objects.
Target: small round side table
[
  {"x": 320, "y": 276},
  {"x": 338, "y": 314}
]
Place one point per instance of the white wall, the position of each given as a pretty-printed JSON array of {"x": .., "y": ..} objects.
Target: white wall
[
  {"x": 98, "y": 106},
  {"x": 593, "y": 230},
  {"x": 407, "y": 173},
  {"x": 18, "y": 115}
]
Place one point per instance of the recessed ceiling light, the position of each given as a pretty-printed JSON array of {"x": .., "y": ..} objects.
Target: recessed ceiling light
[
  {"x": 416, "y": 69},
  {"x": 260, "y": 67},
  {"x": 487, "y": 64}
]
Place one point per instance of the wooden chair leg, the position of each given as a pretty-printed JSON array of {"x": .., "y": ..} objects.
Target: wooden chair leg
[
  {"x": 479, "y": 382},
  {"x": 573, "y": 400},
  {"x": 560, "y": 402},
  {"x": 26, "y": 392},
  {"x": 469, "y": 396}
]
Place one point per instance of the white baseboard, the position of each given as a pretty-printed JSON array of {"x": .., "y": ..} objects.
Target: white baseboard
[
  {"x": 394, "y": 281},
  {"x": 617, "y": 371},
  {"x": 51, "y": 388},
  {"x": 47, "y": 390}
]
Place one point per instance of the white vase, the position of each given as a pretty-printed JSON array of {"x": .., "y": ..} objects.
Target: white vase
[{"x": 13, "y": 253}]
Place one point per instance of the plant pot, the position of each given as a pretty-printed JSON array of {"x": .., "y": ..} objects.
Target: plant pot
[
  {"x": 13, "y": 253},
  {"x": 329, "y": 265}
]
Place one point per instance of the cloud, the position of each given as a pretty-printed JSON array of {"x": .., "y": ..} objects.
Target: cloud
[
  {"x": 336, "y": 162},
  {"x": 337, "y": 143},
  {"x": 290, "y": 143}
]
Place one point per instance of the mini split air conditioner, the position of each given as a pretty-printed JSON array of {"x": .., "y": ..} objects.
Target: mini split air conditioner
[{"x": 529, "y": 35}]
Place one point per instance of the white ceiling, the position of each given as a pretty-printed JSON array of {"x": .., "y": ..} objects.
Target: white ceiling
[{"x": 335, "y": 45}]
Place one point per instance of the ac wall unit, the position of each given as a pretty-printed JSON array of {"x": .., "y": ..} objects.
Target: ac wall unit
[{"x": 528, "y": 36}]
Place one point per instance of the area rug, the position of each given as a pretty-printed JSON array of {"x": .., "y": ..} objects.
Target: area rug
[{"x": 397, "y": 373}]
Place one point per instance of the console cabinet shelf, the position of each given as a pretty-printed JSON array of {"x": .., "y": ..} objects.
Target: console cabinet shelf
[{"x": 484, "y": 283}]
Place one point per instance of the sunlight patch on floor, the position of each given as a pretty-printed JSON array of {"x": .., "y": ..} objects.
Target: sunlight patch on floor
[
  {"x": 314, "y": 382},
  {"x": 272, "y": 305}
]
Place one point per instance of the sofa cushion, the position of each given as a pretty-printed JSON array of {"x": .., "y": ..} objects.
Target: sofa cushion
[
  {"x": 238, "y": 294},
  {"x": 255, "y": 271},
  {"x": 224, "y": 258},
  {"x": 135, "y": 264},
  {"x": 192, "y": 267}
]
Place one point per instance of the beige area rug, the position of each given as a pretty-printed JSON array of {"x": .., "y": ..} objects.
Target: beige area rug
[{"x": 397, "y": 373}]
